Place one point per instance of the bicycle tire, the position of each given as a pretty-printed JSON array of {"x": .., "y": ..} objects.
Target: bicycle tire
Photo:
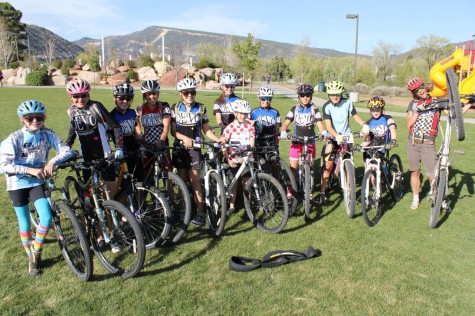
[
  {"x": 286, "y": 176},
  {"x": 129, "y": 260},
  {"x": 396, "y": 177},
  {"x": 269, "y": 211},
  {"x": 180, "y": 206},
  {"x": 371, "y": 206},
  {"x": 440, "y": 183},
  {"x": 151, "y": 211},
  {"x": 307, "y": 191},
  {"x": 73, "y": 241},
  {"x": 349, "y": 193},
  {"x": 34, "y": 218},
  {"x": 456, "y": 106},
  {"x": 216, "y": 211},
  {"x": 74, "y": 194}
]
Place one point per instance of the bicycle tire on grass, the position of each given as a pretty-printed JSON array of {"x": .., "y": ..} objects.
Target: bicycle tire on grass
[
  {"x": 73, "y": 241},
  {"x": 371, "y": 206},
  {"x": 280, "y": 170},
  {"x": 307, "y": 191},
  {"x": 436, "y": 205},
  {"x": 73, "y": 192},
  {"x": 269, "y": 211},
  {"x": 396, "y": 177},
  {"x": 129, "y": 260},
  {"x": 456, "y": 107},
  {"x": 349, "y": 193},
  {"x": 216, "y": 211}
]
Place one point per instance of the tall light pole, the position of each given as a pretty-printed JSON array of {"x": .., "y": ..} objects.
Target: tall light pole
[{"x": 352, "y": 17}]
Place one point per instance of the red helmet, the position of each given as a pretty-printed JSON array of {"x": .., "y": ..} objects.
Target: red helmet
[{"x": 414, "y": 83}]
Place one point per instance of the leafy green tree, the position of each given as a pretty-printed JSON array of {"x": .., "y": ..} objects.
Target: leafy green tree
[
  {"x": 302, "y": 60},
  {"x": 247, "y": 53},
  {"x": 210, "y": 55},
  {"x": 278, "y": 68},
  {"x": 433, "y": 48},
  {"x": 383, "y": 60},
  {"x": 145, "y": 61},
  {"x": 12, "y": 25}
]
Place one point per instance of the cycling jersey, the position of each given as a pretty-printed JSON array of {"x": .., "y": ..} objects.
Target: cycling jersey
[
  {"x": 152, "y": 120},
  {"x": 339, "y": 115},
  {"x": 427, "y": 123},
  {"x": 127, "y": 122},
  {"x": 269, "y": 118},
  {"x": 305, "y": 118},
  {"x": 24, "y": 149},
  {"x": 92, "y": 124},
  {"x": 379, "y": 129},
  {"x": 189, "y": 123},
  {"x": 238, "y": 133},
  {"x": 226, "y": 110}
]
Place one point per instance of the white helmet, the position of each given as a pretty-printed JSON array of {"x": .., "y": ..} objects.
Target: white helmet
[
  {"x": 241, "y": 106},
  {"x": 186, "y": 84},
  {"x": 265, "y": 92},
  {"x": 228, "y": 78}
]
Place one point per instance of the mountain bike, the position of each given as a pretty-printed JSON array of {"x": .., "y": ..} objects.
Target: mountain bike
[
  {"x": 265, "y": 199},
  {"x": 113, "y": 231},
  {"x": 343, "y": 171},
  {"x": 383, "y": 173},
  {"x": 172, "y": 187},
  {"x": 149, "y": 207},
  {"x": 439, "y": 185},
  {"x": 70, "y": 234}
]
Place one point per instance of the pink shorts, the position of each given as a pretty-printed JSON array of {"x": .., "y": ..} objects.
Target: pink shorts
[{"x": 296, "y": 149}]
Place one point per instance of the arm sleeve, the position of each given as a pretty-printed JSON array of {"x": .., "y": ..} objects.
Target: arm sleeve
[
  {"x": 112, "y": 128},
  {"x": 7, "y": 157},
  {"x": 63, "y": 150}
]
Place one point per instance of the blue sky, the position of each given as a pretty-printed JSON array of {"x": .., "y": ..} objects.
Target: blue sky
[{"x": 322, "y": 24}]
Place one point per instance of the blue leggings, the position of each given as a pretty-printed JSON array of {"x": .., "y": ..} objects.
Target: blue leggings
[{"x": 44, "y": 213}]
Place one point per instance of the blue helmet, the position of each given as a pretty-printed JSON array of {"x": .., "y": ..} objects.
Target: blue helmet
[{"x": 31, "y": 107}]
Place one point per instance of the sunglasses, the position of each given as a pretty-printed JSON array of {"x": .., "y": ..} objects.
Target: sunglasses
[
  {"x": 334, "y": 95},
  {"x": 265, "y": 98},
  {"x": 419, "y": 88},
  {"x": 125, "y": 98},
  {"x": 308, "y": 95},
  {"x": 147, "y": 94},
  {"x": 187, "y": 93},
  {"x": 79, "y": 96},
  {"x": 229, "y": 86},
  {"x": 38, "y": 118}
]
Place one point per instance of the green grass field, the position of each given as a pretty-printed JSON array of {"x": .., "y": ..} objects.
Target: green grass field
[{"x": 399, "y": 267}]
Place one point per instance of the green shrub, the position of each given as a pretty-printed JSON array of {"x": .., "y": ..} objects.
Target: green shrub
[
  {"x": 37, "y": 78},
  {"x": 57, "y": 64},
  {"x": 145, "y": 61},
  {"x": 132, "y": 75},
  {"x": 94, "y": 63},
  {"x": 131, "y": 63},
  {"x": 14, "y": 64},
  {"x": 68, "y": 63}
]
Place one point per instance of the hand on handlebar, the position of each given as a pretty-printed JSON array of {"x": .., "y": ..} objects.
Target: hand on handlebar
[{"x": 365, "y": 129}]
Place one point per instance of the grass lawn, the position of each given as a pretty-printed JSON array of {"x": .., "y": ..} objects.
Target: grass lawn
[{"x": 398, "y": 267}]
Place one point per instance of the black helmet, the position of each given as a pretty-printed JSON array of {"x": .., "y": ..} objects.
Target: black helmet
[
  {"x": 150, "y": 86},
  {"x": 305, "y": 89},
  {"x": 123, "y": 89}
]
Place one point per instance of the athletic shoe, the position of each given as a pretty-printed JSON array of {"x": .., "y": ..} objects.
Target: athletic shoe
[
  {"x": 34, "y": 262},
  {"x": 115, "y": 247},
  {"x": 199, "y": 220},
  {"x": 414, "y": 204}
]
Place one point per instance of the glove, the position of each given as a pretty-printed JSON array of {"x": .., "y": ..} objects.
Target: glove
[
  {"x": 365, "y": 129},
  {"x": 325, "y": 134},
  {"x": 119, "y": 154},
  {"x": 283, "y": 134},
  {"x": 339, "y": 139},
  {"x": 160, "y": 144},
  {"x": 420, "y": 108},
  {"x": 393, "y": 142}
]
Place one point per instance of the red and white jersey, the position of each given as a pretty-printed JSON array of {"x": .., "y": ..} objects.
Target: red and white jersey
[
  {"x": 152, "y": 120},
  {"x": 240, "y": 133}
]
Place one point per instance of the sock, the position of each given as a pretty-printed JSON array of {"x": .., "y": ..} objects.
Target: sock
[
  {"x": 25, "y": 240},
  {"x": 41, "y": 233}
]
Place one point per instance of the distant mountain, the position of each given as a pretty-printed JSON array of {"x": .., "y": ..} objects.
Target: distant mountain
[
  {"x": 39, "y": 36},
  {"x": 186, "y": 41}
]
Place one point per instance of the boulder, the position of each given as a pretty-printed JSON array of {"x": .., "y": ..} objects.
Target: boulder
[
  {"x": 213, "y": 85},
  {"x": 162, "y": 67},
  {"x": 123, "y": 68},
  {"x": 146, "y": 73},
  {"x": 59, "y": 80},
  {"x": 208, "y": 73},
  {"x": 91, "y": 76},
  {"x": 21, "y": 75},
  {"x": 117, "y": 79},
  {"x": 170, "y": 78}
]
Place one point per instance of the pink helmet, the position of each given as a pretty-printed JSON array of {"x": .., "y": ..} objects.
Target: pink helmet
[
  {"x": 76, "y": 86},
  {"x": 414, "y": 83}
]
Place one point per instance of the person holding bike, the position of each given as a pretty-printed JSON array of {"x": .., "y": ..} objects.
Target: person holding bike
[
  {"x": 189, "y": 122},
  {"x": 336, "y": 113},
  {"x": 265, "y": 117},
  {"x": 222, "y": 108},
  {"x": 382, "y": 128},
  {"x": 423, "y": 126},
  {"x": 130, "y": 130},
  {"x": 241, "y": 131},
  {"x": 23, "y": 158},
  {"x": 305, "y": 116}
]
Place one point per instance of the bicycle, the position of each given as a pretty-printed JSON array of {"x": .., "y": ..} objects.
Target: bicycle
[
  {"x": 69, "y": 232},
  {"x": 381, "y": 172},
  {"x": 343, "y": 171},
  {"x": 172, "y": 187},
  {"x": 149, "y": 207},
  {"x": 439, "y": 185},
  {"x": 115, "y": 235},
  {"x": 265, "y": 199},
  {"x": 267, "y": 148}
]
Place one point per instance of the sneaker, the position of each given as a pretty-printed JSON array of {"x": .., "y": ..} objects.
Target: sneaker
[
  {"x": 323, "y": 199},
  {"x": 446, "y": 207},
  {"x": 414, "y": 204},
  {"x": 230, "y": 211},
  {"x": 115, "y": 247},
  {"x": 101, "y": 243},
  {"x": 34, "y": 261},
  {"x": 199, "y": 220}
]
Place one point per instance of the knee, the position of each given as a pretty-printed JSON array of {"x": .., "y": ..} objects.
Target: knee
[{"x": 44, "y": 212}]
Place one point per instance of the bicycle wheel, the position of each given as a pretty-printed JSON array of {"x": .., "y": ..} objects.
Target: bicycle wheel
[
  {"x": 74, "y": 194},
  {"x": 396, "y": 177},
  {"x": 307, "y": 190},
  {"x": 152, "y": 211},
  {"x": 126, "y": 238},
  {"x": 349, "y": 192},
  {"x": 266, "y": 203},
  {"x": 34, "y": 218},
  {"x": 280, "y": 170},
  {"x": 454, "y": 100},
  {"x": 371, "y": 205},
  {"x": 72, "y": 241},
  {"x": 439, "y": 185},
  {"x": 179, "y": 201},
  {"x": 216, "y": 210}
]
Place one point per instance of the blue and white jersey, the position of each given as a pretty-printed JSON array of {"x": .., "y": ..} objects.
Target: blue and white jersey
[
  {"x": 24, "y": 149},
  {"x": 339, "y": 115},
  {"x": 268, "y": 118},
  {"x": 226, "y": 109},
  {"x": 304, "y": 118},
  {"x": 379, "y": 129}
]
